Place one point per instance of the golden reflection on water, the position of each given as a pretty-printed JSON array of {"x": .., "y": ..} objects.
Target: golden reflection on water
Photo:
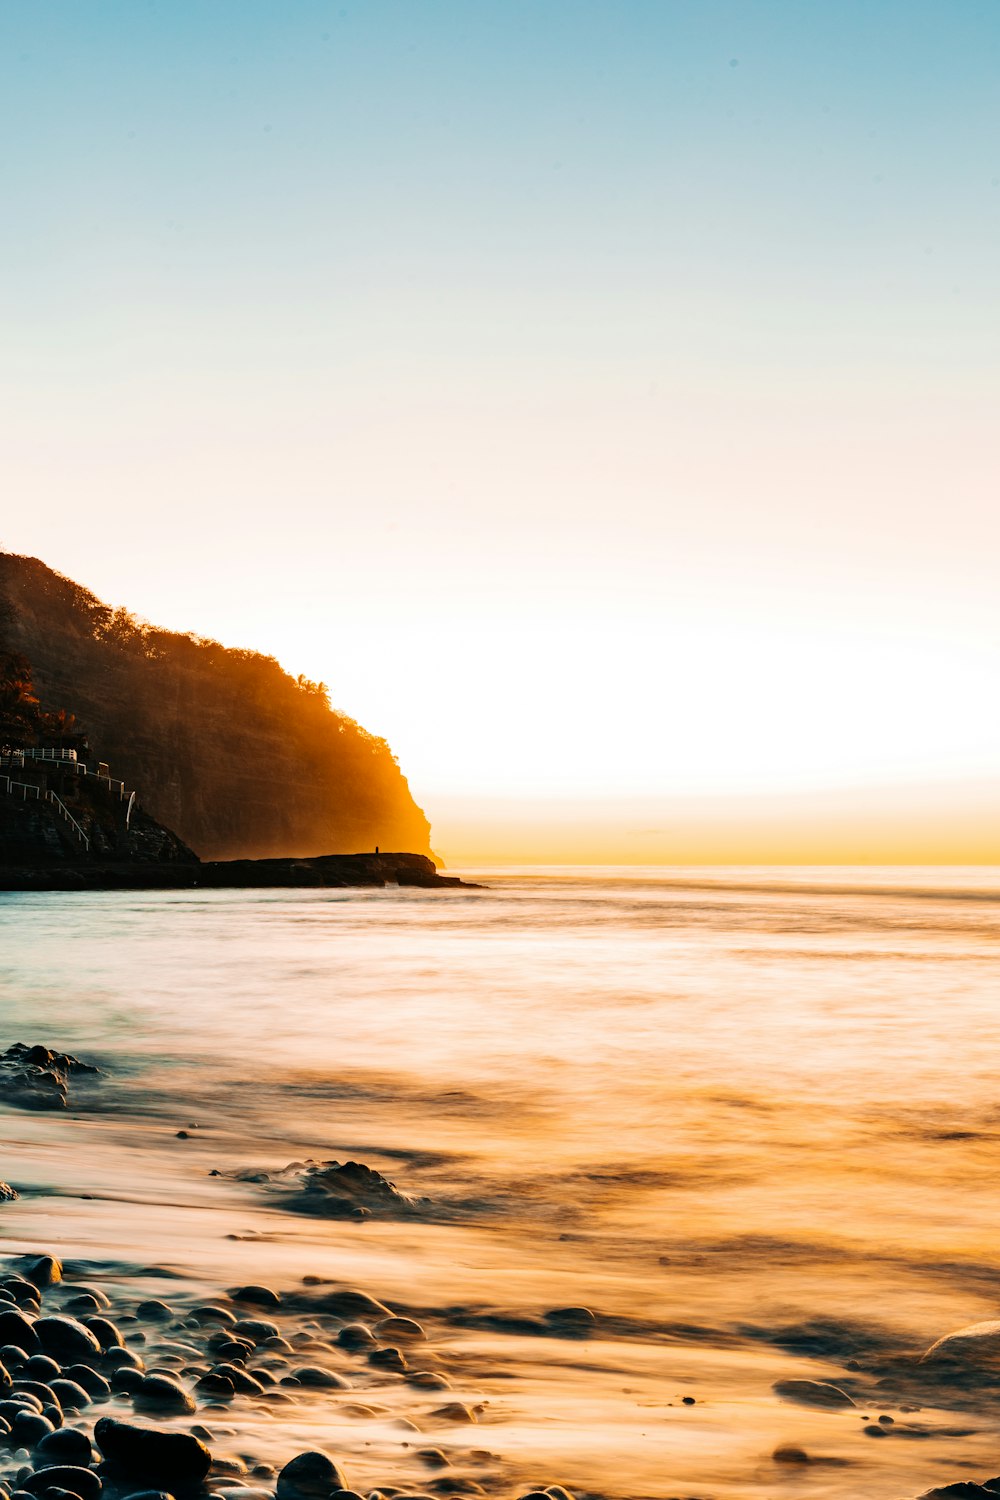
[{"x": 751, "y": 1120}]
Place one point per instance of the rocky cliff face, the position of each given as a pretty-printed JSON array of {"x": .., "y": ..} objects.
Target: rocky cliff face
[{"x": 221, "y": 745}]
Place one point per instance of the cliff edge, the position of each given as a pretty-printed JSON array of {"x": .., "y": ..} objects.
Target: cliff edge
[{"x": 241, "y": 758}]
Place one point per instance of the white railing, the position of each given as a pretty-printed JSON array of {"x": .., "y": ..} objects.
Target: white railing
[
  {"x": 50, "y": 754},
  {"x": 24, "y": 790}
]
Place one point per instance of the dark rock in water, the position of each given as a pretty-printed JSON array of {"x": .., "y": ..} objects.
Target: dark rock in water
[
  {"x": 310, "y": 1476},
  {"x": 812, "y": 1393},
  {"x": 126, "y": 1379},
  {"x": 154, "y": 1311},
  {"x": 83, "y": 1483},
  {"x": 71, "y": 1397},
  {"x": 961, "y": 1489},
  {"x": 396, "y": 1330},
  {"x": 335, "y": 1190},
  {"x": 260, "y": 1296},
  {"x": 28, "y": 1428},
  {"x": 388, "y": 1359},
  {"x": 788, "y": 1453},
  {"x": 571, "y": 1322},
  {"x": 16, "y": 1329},
  {"x": 44, "y": 1271},
  {"x": 105, "y": 1332},
  {"x": 92, "y": 1381},
  {"x": 159, "y": 1393},
  {"x": 313, "y": 1375},
  {"x": 37, "y": 1078},
  {"x": 150, "y": 1495},
  {"x": 256, "y": 1330},
  {"x": 213, "y": 1383},
  {"x": 65, "y": 1446},
  {"x": 40, "y": 1367},
  {"x": 350, "y": 1304},
  {"x": 239, "y": 1379},
  {"x": 175, "y": 1458},
  {"x": 37, "y": 1388},
  {"x": 65, "y": 1338},
  {"x": 7, "y": 1193},
  {"x": 120, "y": 1359},
  {"x": 210, "y": 1314},
  {"x": 356, "y": 1336}
]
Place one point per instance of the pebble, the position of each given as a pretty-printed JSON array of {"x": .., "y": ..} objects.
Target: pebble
[
  {"x": 83, "y": 1483},
  {"x": 160, "y": 1393},
  {"x": 310, "y": 1476},
  {"x": 312, "y": 1375},
  {"x": 65, "y": 1446},
  {"x": 261, "y": 1296},
  {"x": 818, "y": 1393},
  {"x": 65, "y": 1338}
]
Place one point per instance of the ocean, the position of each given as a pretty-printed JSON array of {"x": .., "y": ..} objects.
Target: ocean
[{"x": 749, "y": 1119}]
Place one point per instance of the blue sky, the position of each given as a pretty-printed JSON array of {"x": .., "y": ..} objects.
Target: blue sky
[{"x": 591, "y": 337}]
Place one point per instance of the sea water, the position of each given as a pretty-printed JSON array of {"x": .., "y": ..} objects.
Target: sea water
[{"x": 749, "y": 1118}]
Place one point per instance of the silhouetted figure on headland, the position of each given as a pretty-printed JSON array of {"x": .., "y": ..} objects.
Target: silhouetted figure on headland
[{"x": 376, "y": 848}]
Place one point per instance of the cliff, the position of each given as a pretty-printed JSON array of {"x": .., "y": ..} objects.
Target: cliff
[{"x": 222, "y": 745}]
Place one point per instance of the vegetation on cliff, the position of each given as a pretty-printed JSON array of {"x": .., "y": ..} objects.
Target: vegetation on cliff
[{"x": 223, "y": 745}]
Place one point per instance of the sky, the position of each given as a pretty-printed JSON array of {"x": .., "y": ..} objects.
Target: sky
[{"x": 600, "y": 397}]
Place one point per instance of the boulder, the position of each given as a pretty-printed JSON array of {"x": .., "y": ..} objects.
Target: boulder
[{"x": 159, "y": 1458}]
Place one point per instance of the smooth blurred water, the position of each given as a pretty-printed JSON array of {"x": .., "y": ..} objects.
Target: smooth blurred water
[{"x": 713, "y": 1095}]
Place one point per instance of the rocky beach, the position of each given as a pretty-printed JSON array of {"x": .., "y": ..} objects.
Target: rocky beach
[{"x": 291, "y": 1209}]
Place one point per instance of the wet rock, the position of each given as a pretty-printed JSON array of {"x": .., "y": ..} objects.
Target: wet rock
[
  {"x": 40, "y": 1367},
  {"x": 159, "y": 1393},
  {"x": 83, "y": 1483},
  {"x": 356, "y": 1336},
  {"x": 29, "y": 1427},
  {"x": 400, "y": 1330},
  {"x": 122, "y": 1359},
  {"x": 92, "y": 1381},
  {"x": 208, "y": 1313},
  {"x": 18, "y": 1330},
  {"x": 42, "y": 1271},
  {"x": 961, "y": 1489},
  {"x": 213, "y": 1383},
  {"x": 36, "y": 1077},
  {"x": 571, "y": 1322},
  {"x": 7, "y": 1193},
  {"x": 175, "y": 1458},
  {"x": 313, "y": 1375},
  {"x": 154, "y": 1311},
  {"x": 788, "y": 1453},
  {"x": 256, "y": 1330},
  {"x": 388, "y": 1359},
  {"x": 433, "y": 1458},
  {"x": 65, "y": 1446},
  {"x": 71, "y": 1397},
  {"x": 65, "y": 1339},
  {"x": 427, "y": 1380},
  {"x": 260, "y": 1296},
  {"x": 976, "y": 1344},
  {"x": 338, "y": 1190},
  {"x": 241, "y": 1381},
  {"x": 310, "y": 1476},
  {"x": 104, "y": 1331},
  {"x": 816, "y": 1393},
  {"x": 126, "y": 1380},
  {"x": 351, "y": 1304},
  {"x": 454, "y": 1412},
  {"x": 556, "y": 1492}
]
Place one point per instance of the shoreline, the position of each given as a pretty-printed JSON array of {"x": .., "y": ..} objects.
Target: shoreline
[{"x": 324, "y": 871}]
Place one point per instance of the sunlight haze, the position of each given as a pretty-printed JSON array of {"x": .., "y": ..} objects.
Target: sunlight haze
[{"x": 600, "y": 398}]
